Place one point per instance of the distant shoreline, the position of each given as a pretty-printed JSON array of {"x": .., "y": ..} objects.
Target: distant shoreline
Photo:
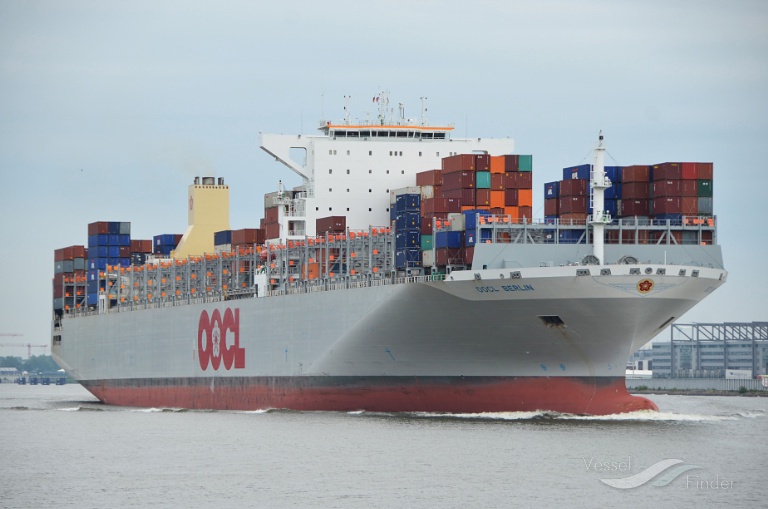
[{"x": 699, "y": 392}]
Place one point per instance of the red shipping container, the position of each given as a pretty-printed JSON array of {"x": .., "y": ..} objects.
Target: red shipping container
[
  {"x": 125, "y": 251},
  {"x": 497, "y": 180},
  {"x": 635, "y": 207},
  {"x": 510, "y": 197},
  {"x": 482, "y": 162},
  {"x": 689, "y": 188},
  {"x": 635, "y": 173},
  {"x": 98, "y": 228},
  {"x": 511, "y": 163},
  {"x": 668, "y": 205},
  {"x": 573, "y": 205},
  {"x": 574, "y": 187},
  {"x": 704, "y": 171},
  {"x": 519, "y": 180},
  {"x": 578, "y": 218},
  {"x": 433, "y": 205},
  {"x": 482, "y": 197},
  {"x": 465, "y": 196},
  {"x": 460, "y": 162},
  {"x": 689, "y": 171},
  {"x": 454, "y": 204},
  {"x": 551, "y": 206},
  {"x": 429, "y": 178},
  {"x": 458, "y": 180},
  {"x": 468, "y": 254},
  {"x": 668, "y": 171},
  {"x": 426, "y": 221},
  {"x": 663, "y": 188},
  {"x": 272, "y": 230},
  {"x": 271, "y": 215},
  {"x": 690, "y": 206},
  {"x": 334, "y": 224},
  {"x": 525, "y": 212},
  {"x": 248, "y": 236},
  {"x": 635, "y": 190}
]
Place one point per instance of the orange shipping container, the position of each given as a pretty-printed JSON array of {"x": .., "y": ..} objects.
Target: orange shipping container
[
  {"x": 512, "y": 211},
  {"x": 497, "y": 164},
  {"x": 497, "y": 199},
  {"x": 525, "y": 197}
]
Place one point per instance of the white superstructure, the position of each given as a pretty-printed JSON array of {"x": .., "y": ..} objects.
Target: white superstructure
[{"x": 351, "y": 168}]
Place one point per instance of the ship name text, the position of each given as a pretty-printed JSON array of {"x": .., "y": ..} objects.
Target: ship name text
[{"x": 505, "y": 288}]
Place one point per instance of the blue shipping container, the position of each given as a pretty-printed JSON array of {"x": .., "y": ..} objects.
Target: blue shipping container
[
  {"x": 612, "y": 207},
  {"x": 92, "y": 299},
  {"x": 165, "y": 239},
  {"x": 570, "y": 236},
  {"x": 392, "y": 213},
  {"x": 222, "y": 237},
  {"x": 552, "y": 190},
  {"x": 114, "y": 251},
  {"x": 550, "y": 219},
  {"x": 164, "y": 250},
  {"x": 408, "y": 203},
  {"x": 580, "y": 172},
  {"x": 449, "y": 239},
  {"x": 671, "y": 217},
  {"x": 613, "y": 192},
  {"x": 406, "y": 239},
  {"x": 97, "y": 263},
  {"x": 114, "y": 240},
  {"x": 470, "y": 218},
  {"x": 98, "y": 240},
  {"x": 125, "y": 262},
  {"x": 407, "y": 258},
  {"x": 408, "y": 221},
  {"x": 114, "y": 227},
  {"x": 123, "y": 240},
  {"x": 98, "y": 252},
  {"x": 613, "y": 173},
  {"x": 471, "y": 237}
]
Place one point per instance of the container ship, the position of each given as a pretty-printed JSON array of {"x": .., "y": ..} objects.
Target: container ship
[{"x": 406, "y": 273}]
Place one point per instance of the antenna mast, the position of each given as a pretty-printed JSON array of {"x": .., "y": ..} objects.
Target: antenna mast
[{"x": 600, "y": 217}]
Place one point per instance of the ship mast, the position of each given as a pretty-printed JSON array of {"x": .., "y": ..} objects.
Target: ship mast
[{"x": 600, "y": 217}]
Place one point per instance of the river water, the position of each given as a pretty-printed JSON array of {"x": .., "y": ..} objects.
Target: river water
[{"x": 62, "y": 448}]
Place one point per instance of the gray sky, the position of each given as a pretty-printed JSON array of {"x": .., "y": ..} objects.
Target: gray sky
[{"x": 109, "y": 109}]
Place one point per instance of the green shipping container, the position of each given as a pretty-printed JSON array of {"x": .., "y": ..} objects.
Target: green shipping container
[
  {"x": 526, "y": 163},
  {"x": 705, "y": 189},
  {"x": 483, "y": 180},
  {"x": 426, "y": 242}
]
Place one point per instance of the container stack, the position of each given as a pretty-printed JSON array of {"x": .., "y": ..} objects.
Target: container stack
[
  {"x": 272, "y": 222},
  {"x": 109, "y": 244},
  {"x": 467, "y": 185},
  {"x": 407, "y": 220},
  {"x": 165, "y": 243},
  {"x": 246, "y": 238},
  {"x": 69, "y": 279},
  {"x": 681, "y": 189},
  {"x": 140, "y": 251},
  {"x": 666, "y": 191}
]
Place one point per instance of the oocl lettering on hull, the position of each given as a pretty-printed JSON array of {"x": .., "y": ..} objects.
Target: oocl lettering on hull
[{"x": 213, "y": 331}]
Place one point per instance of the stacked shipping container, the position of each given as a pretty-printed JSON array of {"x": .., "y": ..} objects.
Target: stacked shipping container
[
  {"x": 662, "y": 191},
  {"x": 69, "y": 280},
  {"x": 109, "y": 243}
]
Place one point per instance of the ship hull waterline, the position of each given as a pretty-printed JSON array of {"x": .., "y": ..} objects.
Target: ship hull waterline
[{"x": 458, "y": 395}]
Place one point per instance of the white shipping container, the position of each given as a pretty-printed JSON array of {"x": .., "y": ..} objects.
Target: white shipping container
[
  {"x": 457, "y": 221},
  {"x": 428, "y": 258},
  {"x": 427, "y": 192}
]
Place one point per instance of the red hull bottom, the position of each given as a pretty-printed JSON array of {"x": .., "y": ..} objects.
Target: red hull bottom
[{"x": 575, "y": 395}]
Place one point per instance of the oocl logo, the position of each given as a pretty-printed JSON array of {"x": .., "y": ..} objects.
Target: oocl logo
[{"x": 212, "y": 340}]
